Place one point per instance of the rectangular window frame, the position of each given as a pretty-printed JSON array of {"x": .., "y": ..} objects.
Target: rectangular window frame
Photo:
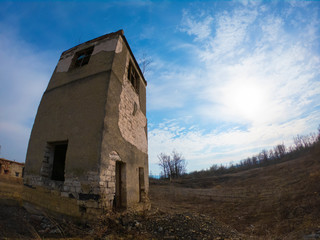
[
  {"x": 133, "y": 77},
  {"x": 82, "y": 57}
]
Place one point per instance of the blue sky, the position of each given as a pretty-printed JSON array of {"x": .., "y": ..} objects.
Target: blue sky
[{"x": 227, "y": 78}]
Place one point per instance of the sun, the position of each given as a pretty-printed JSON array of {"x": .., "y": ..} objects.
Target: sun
[{"x": 245, "y": 100}]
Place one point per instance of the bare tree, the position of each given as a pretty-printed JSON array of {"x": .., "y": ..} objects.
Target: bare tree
[
  {"x": 298, "y": 142},
  {"x": 214, "y": 168},
  {"x": 276, "y": 153},
  {"x": 280, "y": 150},
  {"x": 144, "y": 62},
  {"x": 263, "y": 156},
  {"x": 164, "y": 160},
  {"x": 254, "y": 160},
  {"x": 179, "y": 164},
  {"x": 172, "y": 166},
  {"x": 271, "y": 155}
]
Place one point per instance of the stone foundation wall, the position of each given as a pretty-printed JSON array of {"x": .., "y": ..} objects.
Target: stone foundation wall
[
  {"x": 91, "y": 195},
  {"x": 108, "y": 181}
]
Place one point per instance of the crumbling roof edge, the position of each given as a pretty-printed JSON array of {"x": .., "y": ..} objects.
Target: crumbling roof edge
[
  {"x": 3, "y": 159},
  {"x": 109, "y": 35}
]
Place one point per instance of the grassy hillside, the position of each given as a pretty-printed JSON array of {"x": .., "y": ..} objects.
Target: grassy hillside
[{"x": 277, "y": 201}]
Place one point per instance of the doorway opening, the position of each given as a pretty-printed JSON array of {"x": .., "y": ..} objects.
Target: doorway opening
[
  {"x": 120, "y": 196},
  {"x": 59, "y": 159},
  {"x": 141, "y": 185}
]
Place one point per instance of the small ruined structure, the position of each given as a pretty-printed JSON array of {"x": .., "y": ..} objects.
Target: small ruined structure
[
  {"x": 88, "y": 150},
  {"x": 11, "y": 168}
]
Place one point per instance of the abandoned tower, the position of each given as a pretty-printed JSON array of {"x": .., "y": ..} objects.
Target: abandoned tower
[{"x": 88, "y": 149}]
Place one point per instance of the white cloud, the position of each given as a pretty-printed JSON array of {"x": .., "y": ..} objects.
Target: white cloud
[
  {"x": 200, "y": 28},
  {"x": 230, "y": 34},
  {"x": 299, "y": 3},
  {"x": 24, "y": 76},
  {"x": 170, "y": 87}
]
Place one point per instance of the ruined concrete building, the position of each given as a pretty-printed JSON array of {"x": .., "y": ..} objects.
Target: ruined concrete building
[
  {"x": 11, "y": 168},
  {"x": 88, "y": 149}
]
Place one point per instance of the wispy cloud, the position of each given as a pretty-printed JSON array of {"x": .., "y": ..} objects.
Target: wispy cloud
[
  {"x": 200, "y": 27},
  {"x": 203, "y": 148}
]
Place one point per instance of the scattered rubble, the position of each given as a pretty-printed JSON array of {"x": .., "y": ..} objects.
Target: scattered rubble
[
  {"x": 160, "y": 225},
  {"x": 17, "y": 223}
]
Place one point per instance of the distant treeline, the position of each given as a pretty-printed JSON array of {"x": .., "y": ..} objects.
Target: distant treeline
[{"x": 280, "y": 153}]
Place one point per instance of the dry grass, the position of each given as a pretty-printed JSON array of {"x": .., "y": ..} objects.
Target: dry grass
[
  {"x": 10, "y": 188},
  {"x": 280, "y": 201}
]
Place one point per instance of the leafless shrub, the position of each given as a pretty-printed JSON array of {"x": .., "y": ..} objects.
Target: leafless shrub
[
  {"x": 144, "y": 62},
  {"x": 172, "y": 166}
]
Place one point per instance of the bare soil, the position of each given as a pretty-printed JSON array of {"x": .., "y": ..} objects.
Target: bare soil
[{"x": 275, "y": 202}]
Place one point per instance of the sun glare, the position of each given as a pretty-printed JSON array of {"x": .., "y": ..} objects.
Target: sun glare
[{"x": 245, "y": 100}]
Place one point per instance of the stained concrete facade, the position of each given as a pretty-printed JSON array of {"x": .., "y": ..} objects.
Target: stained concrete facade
[
  {"x": 11, "y": 168},
  {"x": 88, "y": 150}
]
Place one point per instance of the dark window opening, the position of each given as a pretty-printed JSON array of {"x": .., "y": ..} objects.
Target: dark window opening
[
  {"x": 82, "y": 57},
  {"x": 133, "y": 77},
  {"x": 6, "y": 171},
  {"x": 59, "y": 159},
  {"x": 17, "y": 174}
]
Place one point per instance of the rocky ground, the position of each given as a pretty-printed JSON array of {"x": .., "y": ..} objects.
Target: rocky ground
[
  {"x": 160, "y": 225},
  {"x": 17, "y": 223}
]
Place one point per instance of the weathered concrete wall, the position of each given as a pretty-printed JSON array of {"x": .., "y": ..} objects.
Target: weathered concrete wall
[
  {"x": 71, "y": 113},
  {"x": 125, "y": 128},
  {"x": 72, "y": 109},
  {"x": 11, "y": 168}
]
